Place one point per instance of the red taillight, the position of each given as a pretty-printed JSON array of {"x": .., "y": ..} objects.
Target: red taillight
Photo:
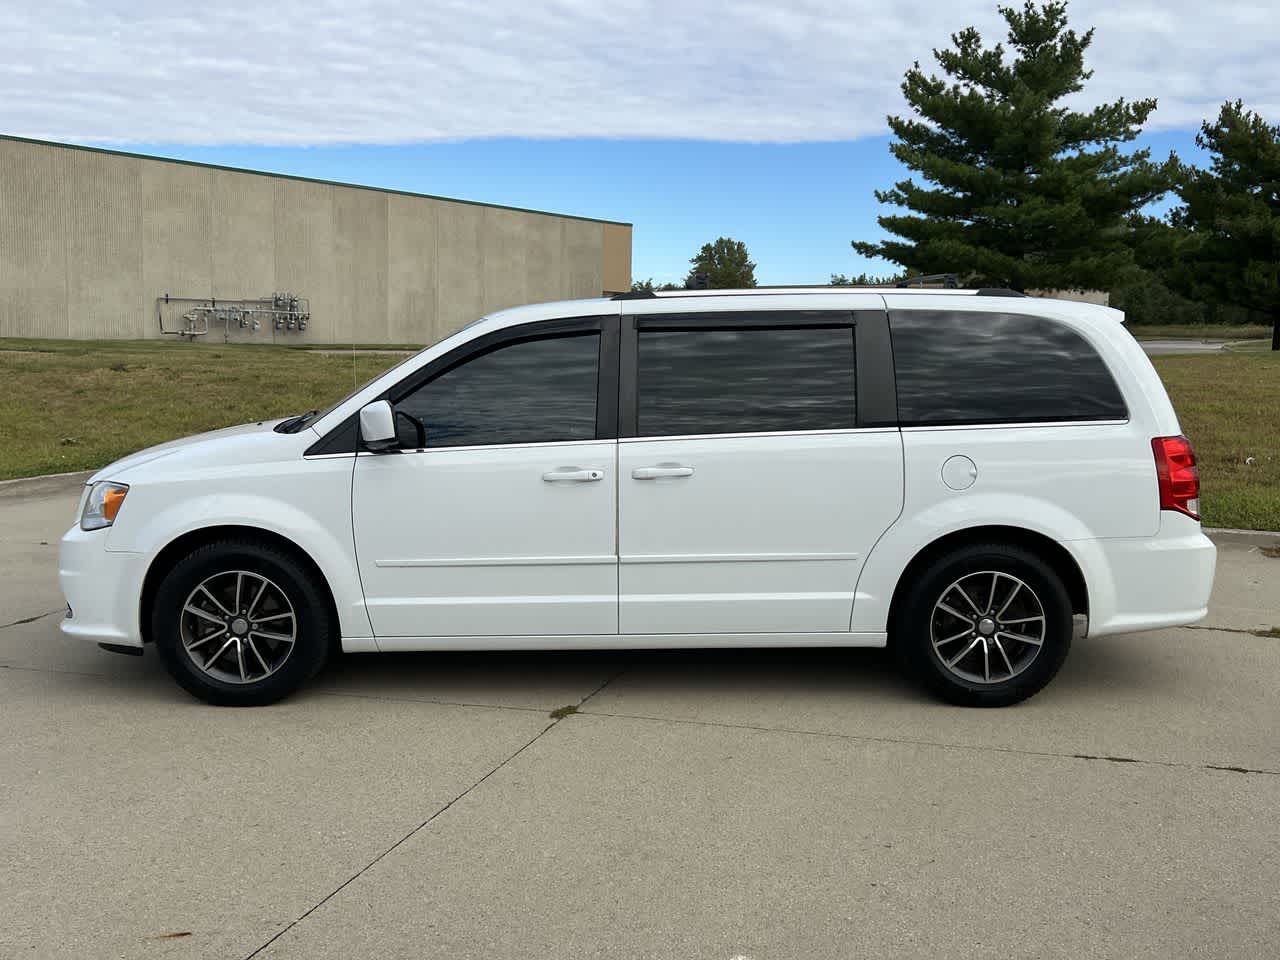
[{"x": 1176, "y": 471}]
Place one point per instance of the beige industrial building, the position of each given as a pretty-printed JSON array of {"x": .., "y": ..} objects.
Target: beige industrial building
[{"x": 92, "y": 242}]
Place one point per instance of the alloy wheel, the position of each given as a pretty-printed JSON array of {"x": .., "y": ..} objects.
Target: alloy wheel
[
  {"x": 987, "y": 627},
  {"x": 238, "y": 627}
]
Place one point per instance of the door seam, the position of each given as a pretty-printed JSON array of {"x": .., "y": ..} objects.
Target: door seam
[{"x": 617, "y": 538}]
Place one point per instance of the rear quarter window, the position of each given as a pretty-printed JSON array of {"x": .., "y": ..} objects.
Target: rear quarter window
[{"x": 962, "y": 368}]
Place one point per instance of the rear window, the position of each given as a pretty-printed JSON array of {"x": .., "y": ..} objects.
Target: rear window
[{"x": 959, "y": 368}]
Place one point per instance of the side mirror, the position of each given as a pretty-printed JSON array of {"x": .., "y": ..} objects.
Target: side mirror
[
  {"x": 419, "y": 428},
  {"x": 378, "y": 427}
]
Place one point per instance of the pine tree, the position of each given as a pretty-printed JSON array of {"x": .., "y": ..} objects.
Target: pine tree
[
  {"x": 1019, "y": 191},
  {"x": 1222, "y": 245}
]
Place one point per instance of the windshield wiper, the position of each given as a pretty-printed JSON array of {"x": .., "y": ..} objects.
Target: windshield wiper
[{"x": 294, "y": 424}]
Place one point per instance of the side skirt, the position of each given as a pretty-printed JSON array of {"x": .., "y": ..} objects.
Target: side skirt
[{"x": 614, "y": 641}]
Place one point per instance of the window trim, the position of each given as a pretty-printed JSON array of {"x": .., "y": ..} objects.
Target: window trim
[
  {"x": 343, "y": 439},
  {"x": 1013, "y": 425},
  {"x": 875, "y": 394},
  {"x": 746, "y": 320},
  {"x": 1006, "y": 421},
  {"x": 830, "y": 432}
]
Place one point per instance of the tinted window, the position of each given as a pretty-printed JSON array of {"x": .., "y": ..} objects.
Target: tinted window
[
  {"x": 997, "y": 368},
  {"x": 744, "y": 381},
  {"x": 531, "y": 391}
]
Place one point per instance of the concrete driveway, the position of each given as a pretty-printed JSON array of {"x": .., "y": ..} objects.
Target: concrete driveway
[
  {"x": 1161, "y": 348},
  {"x": 764, "y": 805}
]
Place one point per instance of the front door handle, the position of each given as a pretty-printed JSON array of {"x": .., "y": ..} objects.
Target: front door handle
[
  {"x": 572, "y": 475},
  {"x": 658, "y": 472}
]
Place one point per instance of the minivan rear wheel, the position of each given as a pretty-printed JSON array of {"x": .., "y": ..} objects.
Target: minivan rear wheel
[
  {"x": 240, "y": 623},
  {"x": 986, "y": 625}
]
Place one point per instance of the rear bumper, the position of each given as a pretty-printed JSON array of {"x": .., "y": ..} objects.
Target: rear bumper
[
  {"x": 102, "y": 588},
  {"x": 1148, "y": 583}
]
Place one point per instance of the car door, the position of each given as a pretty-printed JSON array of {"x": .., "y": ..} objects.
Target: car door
[
  {"x": 759, "y": 463},
  {"x": 503, "y": 523}
]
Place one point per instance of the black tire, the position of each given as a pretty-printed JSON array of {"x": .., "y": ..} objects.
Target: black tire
[
  {"x": 918, "y": 622},
  {"x": 313, "y": 626}
]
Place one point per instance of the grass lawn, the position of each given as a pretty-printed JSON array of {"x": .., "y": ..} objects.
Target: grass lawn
[
  {"x": 1199, "y": 331},
  {"x": 1229, "y": 405},
  {"x": 75, "y": 405}
]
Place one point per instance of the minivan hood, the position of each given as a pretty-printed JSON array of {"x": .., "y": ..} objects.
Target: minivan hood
[{"x": 115, "y": 471}]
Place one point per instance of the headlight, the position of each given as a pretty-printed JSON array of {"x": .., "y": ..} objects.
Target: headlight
[{"x": 102, "y": 505}]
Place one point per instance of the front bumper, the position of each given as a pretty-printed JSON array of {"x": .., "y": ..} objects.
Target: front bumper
[{"x": 103, "y": 588}]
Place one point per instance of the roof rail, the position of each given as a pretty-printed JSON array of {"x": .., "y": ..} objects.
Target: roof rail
[
  {"x": 635, "y": 295},
  {"x": 999, "y": 292},
  {"x": 948, "y": 280}
]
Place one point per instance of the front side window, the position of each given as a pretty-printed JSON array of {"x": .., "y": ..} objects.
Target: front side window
[
  {"x": 528, "y": 391},
  {"x": 749, "y": 380},
  {"x": 961, "y": 368}
]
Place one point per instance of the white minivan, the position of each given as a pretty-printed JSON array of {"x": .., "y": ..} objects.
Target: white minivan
[{"x": 968, "y": 476}]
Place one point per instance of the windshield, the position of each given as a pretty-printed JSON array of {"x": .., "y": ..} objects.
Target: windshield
[
  {"x": 339, "y": 402},
  {"x": 294, "y": 424}
]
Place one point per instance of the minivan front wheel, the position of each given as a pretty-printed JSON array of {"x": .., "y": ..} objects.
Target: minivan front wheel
[
  {"x": 987, "y": 625},
  {"x": 240, "y": 623}
]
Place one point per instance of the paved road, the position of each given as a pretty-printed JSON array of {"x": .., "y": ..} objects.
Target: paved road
[
  {"x": 763, "y": 805},
  {"x": 1158, "y": 348}
]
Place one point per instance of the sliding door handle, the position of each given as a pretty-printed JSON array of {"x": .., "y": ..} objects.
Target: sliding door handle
[
  {"x": 572, "y": 475},
  {"x": 661, "y": 471}
]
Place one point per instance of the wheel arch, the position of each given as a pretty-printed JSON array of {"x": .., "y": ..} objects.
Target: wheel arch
[
  {"x": 191, "y": 540},
  {"x": 1050, "y": 550}
]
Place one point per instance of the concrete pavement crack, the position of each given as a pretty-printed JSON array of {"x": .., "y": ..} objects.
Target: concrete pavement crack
[
  {"x": 31, "y": 619},
  {"x": 907, "y": 741},
  {"x": 426, "y": 823},
  {"x": 428, "y": 700},
  {"x": 404, "y": 839},
  {"x": 1265, "y": 634},
  {"x": 608, "y": 680},
  {"x": 69, "y": 673}
]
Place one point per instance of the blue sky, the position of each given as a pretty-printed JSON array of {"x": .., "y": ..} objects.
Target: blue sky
[
  {"x": 755, "y": 119},
  {"x": 796, "y": 206}
]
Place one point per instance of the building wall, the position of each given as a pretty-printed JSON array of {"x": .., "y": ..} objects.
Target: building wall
[{"x": 89, "y": 240}]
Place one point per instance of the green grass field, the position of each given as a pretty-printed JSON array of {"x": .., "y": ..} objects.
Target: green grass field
[
  {"x": 77, "y": 405},
  {"x": 1200, "y": 331},
  {"x": 1229, "y": 405},
  {"x": 74, "y": 405}
]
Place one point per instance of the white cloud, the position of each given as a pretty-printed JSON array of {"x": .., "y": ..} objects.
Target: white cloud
[{"x": 371, "y": 71}]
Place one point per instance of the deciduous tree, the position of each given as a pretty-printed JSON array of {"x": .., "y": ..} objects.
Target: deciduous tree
[{"x": 726, "y": 264}]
